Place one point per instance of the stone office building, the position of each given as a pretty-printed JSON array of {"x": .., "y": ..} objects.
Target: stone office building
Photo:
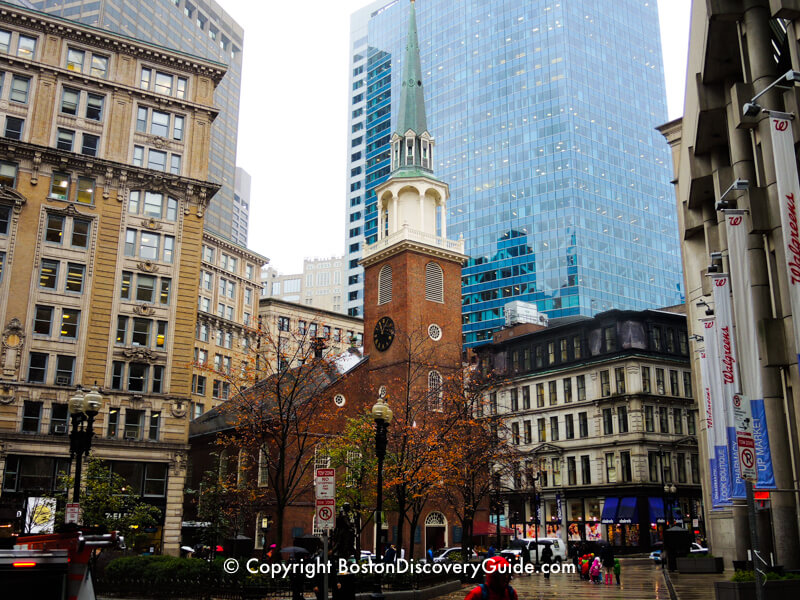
[
  {"x": 104, "y": 163},
  {"x": 725, "y": 160},
  {"x": 602, "y": 415}
]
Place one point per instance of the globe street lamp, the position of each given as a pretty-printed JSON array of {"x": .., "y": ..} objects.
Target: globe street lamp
[
  {"x": 383, "y": 416},
  {"x": 669, "y": 492},
  {"x": 83, "y": 409}
]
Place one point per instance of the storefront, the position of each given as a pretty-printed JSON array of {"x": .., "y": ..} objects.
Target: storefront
[
  {"x": 621, "y": 520},
  {"x": 583, "y": 520}
]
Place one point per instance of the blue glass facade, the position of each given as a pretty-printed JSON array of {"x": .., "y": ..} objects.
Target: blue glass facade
[{"x": 544, "y": 115}]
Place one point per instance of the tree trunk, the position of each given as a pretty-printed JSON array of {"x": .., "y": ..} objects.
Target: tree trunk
[
  {"x": 401, "y": 517},
  {"x": 413, "y": 529}
]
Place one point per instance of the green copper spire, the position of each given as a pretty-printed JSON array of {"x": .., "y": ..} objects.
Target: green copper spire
[{"x": 412, "y": 101}]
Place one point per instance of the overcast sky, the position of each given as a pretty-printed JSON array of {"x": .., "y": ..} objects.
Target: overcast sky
[{"x": 293, "y": 118}]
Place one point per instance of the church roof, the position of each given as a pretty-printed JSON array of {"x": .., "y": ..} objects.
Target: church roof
[{"x": 411, "y": 114}]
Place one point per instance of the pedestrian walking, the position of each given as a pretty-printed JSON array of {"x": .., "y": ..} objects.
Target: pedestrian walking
[
  {"x": 595, "y": 569},
  {"x": 296, "y": 579},
  {"x": 391, "y": 554},
  {"x": 617, "y": 569},
  {"x": 607, "y": 559},
  {"x": 496, "y": 586},
  {"x": 547, "y": 559}
]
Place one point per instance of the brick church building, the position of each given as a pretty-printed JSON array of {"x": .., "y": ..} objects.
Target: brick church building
[{"x": 412, "y": 324}]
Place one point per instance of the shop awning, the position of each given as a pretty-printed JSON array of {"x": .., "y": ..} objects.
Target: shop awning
[
  {"x": 610, "y": 511},
  {"x": 484, "y": 528},
  {"x": 656, "y": 509},
  {"x": 627, "y": 511}
]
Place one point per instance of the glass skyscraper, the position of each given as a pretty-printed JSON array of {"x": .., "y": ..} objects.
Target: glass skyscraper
[
  {"x": 544, "y": 114},
  {"x": 199, "y": 27}
]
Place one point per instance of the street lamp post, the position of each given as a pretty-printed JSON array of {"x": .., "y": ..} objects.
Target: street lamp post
[
  {"x": 383, "y": 416},
  {"x": 497, "y": 509},
  {"x": 535, "y": 518},
  {"x": 515, "y": 522},
  {"x": 83, "y": 409}
]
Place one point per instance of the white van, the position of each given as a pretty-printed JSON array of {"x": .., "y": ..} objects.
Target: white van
[{"x": 557, "y": 545}]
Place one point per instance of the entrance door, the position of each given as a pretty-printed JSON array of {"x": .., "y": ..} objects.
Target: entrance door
[{"x": 435, "y": 531}]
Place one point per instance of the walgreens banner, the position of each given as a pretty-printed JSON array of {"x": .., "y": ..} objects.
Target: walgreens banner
[
  {"x": 751, "y": 422},
  {"x": 709, "y": 422},
  {"x": 728, "y": 367},
  {"x": 715, "y": 414},
  {"x": 789, "y": 197}
]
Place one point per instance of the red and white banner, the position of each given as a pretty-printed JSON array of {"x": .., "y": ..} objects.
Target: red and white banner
[
  {"x": 789, "y": 198},
  {"x": 729, "y": 369},
  {"x": 736, "y": 226},
  {"x": 715, "y": 416}
]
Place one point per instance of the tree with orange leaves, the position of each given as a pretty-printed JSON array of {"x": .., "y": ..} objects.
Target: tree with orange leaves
[
  {"x": 478, "y": 454},
  {"x": 420, "y": 430},
  {"x": 278, "y": 414}
]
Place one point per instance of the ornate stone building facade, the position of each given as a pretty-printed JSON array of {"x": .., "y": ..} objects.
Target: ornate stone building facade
[
  {"x": 227, "y": 314},
  {"x": 601, "y": 414},
  {"x": 289, "y": 325},
  {"x": 104, "y": 163},
  {"x": 738, "y": 227}
]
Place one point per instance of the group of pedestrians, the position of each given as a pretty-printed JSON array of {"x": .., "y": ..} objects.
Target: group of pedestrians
[{"x": 602, "y": 568}]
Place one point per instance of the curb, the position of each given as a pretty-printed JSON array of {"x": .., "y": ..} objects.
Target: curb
[
  {"x": 423, "y": 594},
  {"x": 670, "y": 587}
]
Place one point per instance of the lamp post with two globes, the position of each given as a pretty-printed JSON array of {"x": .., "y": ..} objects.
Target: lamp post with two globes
[
  {"x": 83, "y": 409},
  {"x": 383, "y": 416}
]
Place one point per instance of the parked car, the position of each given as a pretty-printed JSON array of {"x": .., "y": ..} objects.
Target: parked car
[
  {"x": 557, "y": 545},
  {"x": 449, "y": 554},
  {"x": 697, "y": 548}
]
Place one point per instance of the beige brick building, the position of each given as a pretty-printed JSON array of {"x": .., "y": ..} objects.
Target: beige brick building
[
  {"x": 104, "y": 163},
  {"x": 227, "y": 314},
  {"x": 292, "y": 327}
]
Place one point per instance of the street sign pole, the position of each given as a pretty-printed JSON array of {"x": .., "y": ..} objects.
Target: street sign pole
[
  {"x": 758, "y": 562},
  {"x": 325, "y": 491},
  {"x": 325, "y": 558}
]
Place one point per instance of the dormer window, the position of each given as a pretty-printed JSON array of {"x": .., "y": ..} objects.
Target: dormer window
[
  {"x": 425, "y": 154},
  {"x": 396, "y": 154},
  {"x": 409, "y": 151}
]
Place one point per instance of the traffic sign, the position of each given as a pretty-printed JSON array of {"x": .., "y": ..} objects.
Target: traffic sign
[
  {"x": 325, "y": 480},
  {"x": 72, "y": 512},
  {"x": 325, "y": 511},
  {"x": 747, "y": 455},
  {"x": 742, "y": 414}
]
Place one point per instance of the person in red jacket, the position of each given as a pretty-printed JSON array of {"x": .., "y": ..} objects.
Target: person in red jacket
[{"x": 498, "y": 574}]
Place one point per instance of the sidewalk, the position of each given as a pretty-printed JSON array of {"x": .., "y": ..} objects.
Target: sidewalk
[{"x": 692, "y": 586}]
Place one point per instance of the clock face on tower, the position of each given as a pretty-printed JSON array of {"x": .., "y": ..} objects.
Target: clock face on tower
[{"x": 383, "y": 336}]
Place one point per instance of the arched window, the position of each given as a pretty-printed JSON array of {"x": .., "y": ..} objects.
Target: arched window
[
  {"x": 385, "y": 285},
  {"x": 434, "y": 283},
  {"x": 434, "y": 390}
]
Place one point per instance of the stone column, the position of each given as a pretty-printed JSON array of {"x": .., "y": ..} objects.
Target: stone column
[{"x": 784, "y": 508}]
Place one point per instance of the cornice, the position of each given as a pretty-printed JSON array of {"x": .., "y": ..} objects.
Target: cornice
[
  {"x": 232, "y": 247},
  {"x": 70, "y": 30},
  {"x": 223, "y": 323},
  {"x": 116, "y": 176},
  {"x": 413, "y": 246},
  {"x": 74, "y": 78}
]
